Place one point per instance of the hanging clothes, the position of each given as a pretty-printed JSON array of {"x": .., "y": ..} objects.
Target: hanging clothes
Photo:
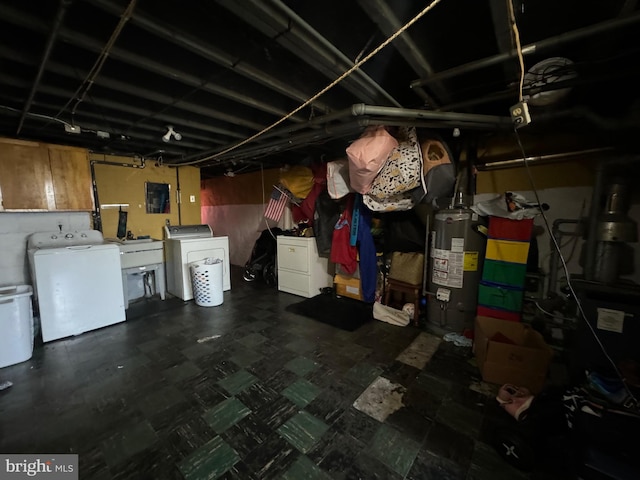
[
  {"x": 326, "y": 215},
  {"x": 368, "y": 260},
  {"x": 342, "y": 252},
  {"x": 305, "y": 212}
]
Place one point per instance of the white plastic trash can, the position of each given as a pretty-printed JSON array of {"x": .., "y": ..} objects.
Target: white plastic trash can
[
  {"x": 206, "y": 280},
  {"x": 16, "y": 324}
]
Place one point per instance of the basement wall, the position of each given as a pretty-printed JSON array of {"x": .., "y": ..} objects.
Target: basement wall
[
  {"x": 567, "y": 188},
  {"x": 234, "y": 207}
]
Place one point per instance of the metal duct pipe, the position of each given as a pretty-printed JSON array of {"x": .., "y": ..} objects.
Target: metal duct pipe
[
  {"x": 490, "y": 121},
  {"x": 536, "y": 47},
  {"x": 553, "y": 254},
  {"x": 211, "y": 53},
  {"x": 282, "y": 145},
  {"x": 120, "y": 86},
  {"x": 533, "y": 90},
  {"x": 594, "y": 210},
  {"x": 386, "y": 17},
  {"x": 540, "y": 159},
  {"x": 275, "y": 19},
  {"x": 88, "y": 43},
  {"x": 62, "y": 11},
  {"x": 380, "y": 116}
]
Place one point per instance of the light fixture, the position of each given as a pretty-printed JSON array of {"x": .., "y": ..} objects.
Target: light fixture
[{"x": 170, "y": 131}]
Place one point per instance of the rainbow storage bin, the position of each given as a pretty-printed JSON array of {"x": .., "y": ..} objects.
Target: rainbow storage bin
[{"x": 501, "y": 288}]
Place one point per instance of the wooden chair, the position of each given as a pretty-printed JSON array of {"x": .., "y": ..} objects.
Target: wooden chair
[{"x": 404, "y": 289}]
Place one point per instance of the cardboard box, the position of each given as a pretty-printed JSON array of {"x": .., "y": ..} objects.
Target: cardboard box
[
  {"x": 524, "y": 362},
  {"x": 346, "y": 286}
]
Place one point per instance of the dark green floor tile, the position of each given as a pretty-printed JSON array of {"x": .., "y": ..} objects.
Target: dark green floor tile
[
  {"x": 394, "y": 449},
  {"x": 252, "y": 340},
  {"x": 363, "y": 374},
  {"x": 210, "y": 461},
  {"x": 303, "y": 431},
  {"x": 305, "y": 468},
  {"x": 244, "y": 358},
  {"x": 128, "y": 442},
  {"x": 301, "y": 392},
  {"x": 237, "y": 382},
  {"x": 226, "y": 414},
  {"x": 301, "y": 366}
]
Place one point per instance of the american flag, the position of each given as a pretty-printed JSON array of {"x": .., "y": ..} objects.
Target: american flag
[{"x": 276, "y": 205}]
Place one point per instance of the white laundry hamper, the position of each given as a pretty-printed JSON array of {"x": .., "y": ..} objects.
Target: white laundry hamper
[
  {"x": 206, "y": 280},
  {"x": 16, "y": 324}
]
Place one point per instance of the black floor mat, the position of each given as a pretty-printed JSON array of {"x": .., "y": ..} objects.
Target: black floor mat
[{"x": 344, "y": 313}]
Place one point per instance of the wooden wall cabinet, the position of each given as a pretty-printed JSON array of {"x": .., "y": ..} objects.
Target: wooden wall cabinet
[{"x": 39, "y": 176}]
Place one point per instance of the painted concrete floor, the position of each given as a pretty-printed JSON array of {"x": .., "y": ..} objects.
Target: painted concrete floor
[{"x": 247, "y": 390}]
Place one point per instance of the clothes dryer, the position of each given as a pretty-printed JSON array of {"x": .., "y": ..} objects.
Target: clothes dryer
[{"x": 185, "y": 244}]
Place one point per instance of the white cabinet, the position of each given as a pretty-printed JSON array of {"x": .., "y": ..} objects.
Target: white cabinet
[{"x": 300, "y": 270}]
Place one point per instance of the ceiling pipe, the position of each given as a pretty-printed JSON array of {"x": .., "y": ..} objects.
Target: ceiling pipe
[
  {"x": 540, "y": 159},
  {"x": 512, "y": 93},
  {"x": 478, "y": 120},
  {"x": 275, "y": 19},
  {"x": 281, "y": 145},
  {"x": 386, "y": 18},
  {"x": 382, "y": 116},
  {"x": 110, "y": 105},
  {"x": 536, "y": 47},
  {"x": 88, "y": 43},
  {"x": 53, "y": 35},
  {"x": 120, "y": 131},
  {"x": 212, "y": 54},
  {"x": 120, "y": 86}
]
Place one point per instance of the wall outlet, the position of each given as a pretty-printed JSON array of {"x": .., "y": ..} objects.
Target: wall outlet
[{"x": 520, "y": 114}]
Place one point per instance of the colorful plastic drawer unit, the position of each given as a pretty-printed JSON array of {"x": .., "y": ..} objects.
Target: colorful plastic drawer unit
[{"x": 507, "y": 251}]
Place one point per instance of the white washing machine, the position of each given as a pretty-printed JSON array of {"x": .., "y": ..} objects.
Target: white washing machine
[
  {"x": 185, "y": 244},
  {"x": 77, "y": 280}
]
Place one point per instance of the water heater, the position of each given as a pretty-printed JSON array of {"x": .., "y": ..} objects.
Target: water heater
[{"x": 457, "y": 247}]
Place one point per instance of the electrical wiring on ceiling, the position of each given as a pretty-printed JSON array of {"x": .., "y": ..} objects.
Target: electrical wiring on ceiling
[{"x": 355, "y": 67}]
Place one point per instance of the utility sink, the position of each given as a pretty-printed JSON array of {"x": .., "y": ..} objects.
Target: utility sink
[{"x": 141, "y": 252}]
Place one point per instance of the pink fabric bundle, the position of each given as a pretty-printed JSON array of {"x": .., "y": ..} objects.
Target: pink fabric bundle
[{"x": 367, "y": 155}]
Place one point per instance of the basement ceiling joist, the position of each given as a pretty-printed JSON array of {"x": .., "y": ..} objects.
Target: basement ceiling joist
[{"x": 219, "y": 71}]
